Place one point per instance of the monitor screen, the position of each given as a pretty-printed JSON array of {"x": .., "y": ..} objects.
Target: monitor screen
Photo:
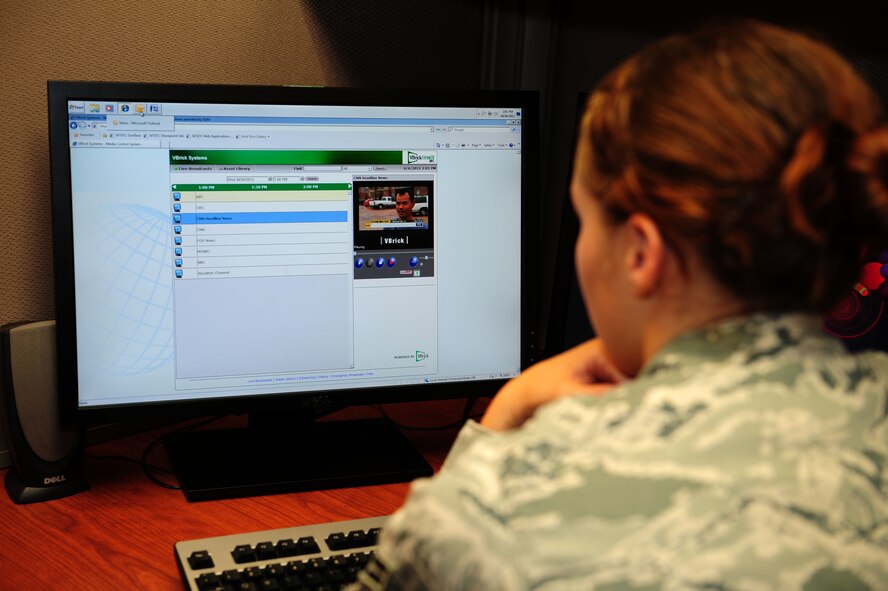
[{"x": 234, "y": 249}]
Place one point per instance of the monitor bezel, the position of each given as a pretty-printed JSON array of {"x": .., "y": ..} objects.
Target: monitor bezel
[{"x": 59, "y": 92}]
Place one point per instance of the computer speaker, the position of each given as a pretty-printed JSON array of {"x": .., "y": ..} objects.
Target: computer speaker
[{"x": 45, "y": 455}]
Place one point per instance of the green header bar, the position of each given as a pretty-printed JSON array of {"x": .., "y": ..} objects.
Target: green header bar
[
  {"x": 266, "y": 187},
  {"x": 285, "y": 157}
]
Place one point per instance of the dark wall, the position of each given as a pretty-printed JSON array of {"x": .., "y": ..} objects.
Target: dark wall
[
  {"x": 590, "y": 39},
  {"x": 405, "y": 44}
]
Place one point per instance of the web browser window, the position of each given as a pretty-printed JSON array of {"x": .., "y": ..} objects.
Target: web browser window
[{"x": 221, "y": 247}]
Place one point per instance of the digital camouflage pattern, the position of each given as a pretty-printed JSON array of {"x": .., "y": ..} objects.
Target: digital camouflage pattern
[{"x": 752, "y": 454}]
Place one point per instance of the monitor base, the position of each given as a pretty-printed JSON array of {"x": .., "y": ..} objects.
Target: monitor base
[{"x": 228, "y": 463}]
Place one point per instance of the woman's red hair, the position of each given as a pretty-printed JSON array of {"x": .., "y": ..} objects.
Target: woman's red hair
[{"x": 757, "y": 147}]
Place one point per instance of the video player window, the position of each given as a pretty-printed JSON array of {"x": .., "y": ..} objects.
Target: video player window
[{"x": 394, "y": 227}]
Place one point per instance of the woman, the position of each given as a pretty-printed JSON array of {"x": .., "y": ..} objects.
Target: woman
[{"x": 727, "y": 184}]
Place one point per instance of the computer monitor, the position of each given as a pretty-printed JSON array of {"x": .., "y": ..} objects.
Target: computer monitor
[{"x": 243, "y": 249}]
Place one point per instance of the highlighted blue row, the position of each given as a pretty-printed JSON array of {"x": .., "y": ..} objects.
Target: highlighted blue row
[{"x": 260, "y": 217}]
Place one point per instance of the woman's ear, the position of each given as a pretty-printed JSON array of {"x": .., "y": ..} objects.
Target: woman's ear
[{"x": 646, "y": 254}]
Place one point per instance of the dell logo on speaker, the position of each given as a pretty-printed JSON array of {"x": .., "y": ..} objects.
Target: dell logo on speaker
[{"x": 54, "y": 479}]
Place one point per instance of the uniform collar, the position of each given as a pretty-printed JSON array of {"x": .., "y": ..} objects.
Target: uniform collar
[{"x": 743, "y": 340}]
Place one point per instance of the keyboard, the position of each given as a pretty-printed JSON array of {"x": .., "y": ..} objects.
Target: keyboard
[{"x": 312, "y": 557}]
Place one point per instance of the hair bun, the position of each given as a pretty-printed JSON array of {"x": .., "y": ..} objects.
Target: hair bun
[
  {"x": 868, "y": 160},
  {"x": 810, "y": 181}
]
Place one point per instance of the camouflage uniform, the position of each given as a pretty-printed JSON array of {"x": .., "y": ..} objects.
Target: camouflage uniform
[{"x": 752, "y": 454}]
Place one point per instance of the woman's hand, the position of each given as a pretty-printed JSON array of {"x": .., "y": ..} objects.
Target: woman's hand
[{"x": 584, "y": 369}]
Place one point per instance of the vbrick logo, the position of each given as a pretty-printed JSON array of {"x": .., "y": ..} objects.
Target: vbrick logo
[
  {"x": 414, "y": 157},
  {"x": 421, "y": 356}
]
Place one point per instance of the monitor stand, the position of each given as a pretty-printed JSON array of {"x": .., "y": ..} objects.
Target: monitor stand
[{"x": 291, "y": 452}]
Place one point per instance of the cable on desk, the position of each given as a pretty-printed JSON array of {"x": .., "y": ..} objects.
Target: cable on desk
[
  {"x": 151, "y": 446},
  {"x": 127, "y": 460},
  {"x": 143, "y": 462}
]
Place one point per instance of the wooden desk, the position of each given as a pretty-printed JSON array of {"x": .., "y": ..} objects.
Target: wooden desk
[{"x": 120, "y": 533}]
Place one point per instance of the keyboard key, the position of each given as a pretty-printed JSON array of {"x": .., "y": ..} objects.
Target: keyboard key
[
  {"x": 336, "y": 578},
  {"x": 265, "y": 550},
  {"x": 208, "y": 581},
  {"x": 286, "y": 548},
  {"x": 337, "y": 562},
  {"x": 307, "y": 545},
  {"x": 253, "y": 573},
  {"x": 295, "y": 568},
  {"x": 292, "y": 583},
  {"x": 313, "y": 578},
  {"x": 243, "y": 553},
  {"x": 200, "y": 559},
  {"x": 337, "y": 541},
  {"x": 316, "y": 564},
  {"x": 231, "y": 577},
  {"x": 358, "y": 539}
]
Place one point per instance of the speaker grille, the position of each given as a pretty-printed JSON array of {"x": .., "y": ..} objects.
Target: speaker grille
[{"x": 33, "y": 363}]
